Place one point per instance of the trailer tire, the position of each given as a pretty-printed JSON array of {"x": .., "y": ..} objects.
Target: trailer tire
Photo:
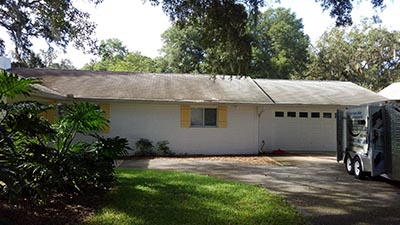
[
  {"x": 348, "y": 164},
  {"x": 357, "y": 167}
]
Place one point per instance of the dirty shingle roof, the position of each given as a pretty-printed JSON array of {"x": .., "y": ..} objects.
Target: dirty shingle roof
[
  {"x": 309, "y": 92},
  {"x": 192, "y": 88},
  {"x": 148, "y": 87},
  {"x": 391, "y": 92}
]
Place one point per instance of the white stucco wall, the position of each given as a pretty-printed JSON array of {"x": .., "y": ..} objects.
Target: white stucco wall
[
  {"x": 158, "y": 122},
  {"x": 298, "y": 134}
]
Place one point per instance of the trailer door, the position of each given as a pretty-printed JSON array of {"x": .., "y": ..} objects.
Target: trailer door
[
  {"x": 376, "y": 140},
  {"x": 339, "y": 135}
]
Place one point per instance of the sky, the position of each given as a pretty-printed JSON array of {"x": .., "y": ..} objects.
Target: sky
[{"x": 139, "y": 25}]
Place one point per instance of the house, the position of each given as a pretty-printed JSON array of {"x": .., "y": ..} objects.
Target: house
[
  {"x": 391, "y": 92},
  {"x": 202, "y": 114}
]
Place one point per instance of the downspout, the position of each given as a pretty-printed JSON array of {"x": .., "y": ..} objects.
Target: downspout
[
  {"x": 259, "y": 113},
  {"x": 260, "y": 150}
]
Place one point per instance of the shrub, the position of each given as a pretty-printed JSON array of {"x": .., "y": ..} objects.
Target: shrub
[
  {"x": 144, "y": 147},
  {"x": 38, "y": 159},
  {"x": 163, "y": 148}
]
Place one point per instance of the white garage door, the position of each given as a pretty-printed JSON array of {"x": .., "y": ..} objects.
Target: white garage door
[{"x": 300, "y": 129}]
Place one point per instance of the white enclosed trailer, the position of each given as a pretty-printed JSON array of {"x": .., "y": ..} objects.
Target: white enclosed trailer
[{"x": 368, "y": 139}]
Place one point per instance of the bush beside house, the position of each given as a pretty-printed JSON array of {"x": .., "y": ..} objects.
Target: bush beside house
[{"x": 39, "y": 159}]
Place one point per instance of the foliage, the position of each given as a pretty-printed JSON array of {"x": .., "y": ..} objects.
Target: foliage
[
  {"x": 341, "y": 10},
  {"x": 112, "y": 48},
  {"x": 216, "y": 42},
  {"x": 48, "y": 59},
  {"x": 185, "y": 11},
  {"x": 280, "y": 45},
  {"x": 163, "y": 148},
  {"x": 183, "y": 49},
  {"x": 226, "y": 40},
  {"x": 12, "y": 85},
  {"x": 144, "y": 147},
  {"x": 167, "y": 197},
  {"x": 114, "y": 56},
  {"x": 39, "y": 159},
  {"x": 57, "y": 22},
  {"x": 279, "y": 48},
  {"x": 364, "y": 54}
]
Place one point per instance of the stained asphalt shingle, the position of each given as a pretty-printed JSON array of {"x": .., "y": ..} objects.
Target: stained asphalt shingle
[
  {"x": 313, "y": 92},
  {"x": 193, "y": 88},
  {"x": 149, "y": 87}
]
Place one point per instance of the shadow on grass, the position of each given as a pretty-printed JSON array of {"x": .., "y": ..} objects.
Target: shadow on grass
[
  {"x": 164, "y": 197},
  {"x": 323, "y": 191}
]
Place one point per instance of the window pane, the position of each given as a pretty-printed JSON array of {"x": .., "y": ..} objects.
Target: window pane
[
  {"x": 315, "y": 115},
  {"x": 210, "y": 117},
  {"x": 303, "y": 114},
  {"x": 291, "y": 114},
  {"x": 196, "y": 117},
  {"x": 279, "y": 114},
  {"x": 327, "y": 115}
]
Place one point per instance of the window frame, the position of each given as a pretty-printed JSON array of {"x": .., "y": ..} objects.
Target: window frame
[
  {"x": 279, "y": 114},
  {"x": 203, "y": 110},
  {"x": 303, "y": 114},
  {"x": 327, "y": 115},
  {"x": 291, "y": 114},
  {"x": 313, "y": 115}
]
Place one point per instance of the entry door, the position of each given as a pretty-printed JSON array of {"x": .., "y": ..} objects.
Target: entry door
[{"x": 377, "y": 140}]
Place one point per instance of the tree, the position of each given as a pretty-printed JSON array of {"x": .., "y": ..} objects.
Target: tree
[
  {"x": 187, "y": 10},
  {"x": 112, "y": 48},
  {"x": 221, "y": 31},
  {"x": 135, "y": 62},
  {"x": 110, "y": 51},
  {"x": 115, "y": 56},
  {"x": 183, "y": 50},
  {"x": 365, "y": 54},
  {"x": 280, "y": 46},
  {"x": 341, "y": 9},
  {"x": 48, "y": 58},
  {"x": 57, "y": 22}
]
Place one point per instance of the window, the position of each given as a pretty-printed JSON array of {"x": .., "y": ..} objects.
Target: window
[
  {"x": 303, "y": 114},
  {"x": 327, "y": 115},
  {"x": 291, "y": 114},
  {"x": 315, "y": 115},
  {"x": 203, "y": 117},
  {"x": 279, "y": 114}
]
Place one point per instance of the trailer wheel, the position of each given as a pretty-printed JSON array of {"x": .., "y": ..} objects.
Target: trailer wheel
[
  {"x": 348, "y": 164},
  {"x": 358, "y": 170}
]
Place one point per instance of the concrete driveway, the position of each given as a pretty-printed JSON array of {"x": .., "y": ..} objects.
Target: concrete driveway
[{"x": 317, "y": 185}]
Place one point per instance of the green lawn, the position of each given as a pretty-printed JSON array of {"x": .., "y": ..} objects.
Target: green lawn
[{"x": 165, "y": 197}]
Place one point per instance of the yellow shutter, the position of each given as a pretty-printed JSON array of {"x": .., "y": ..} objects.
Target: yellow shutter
[
  {"x": 106, "y": 109},
  {"x": 185, "y": 116},
  {"x": 50, "y": 114},
  {"x": 222, "y": 116}
]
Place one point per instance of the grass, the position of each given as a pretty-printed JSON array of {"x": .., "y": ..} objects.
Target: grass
[{"x": 165, "y": 197}]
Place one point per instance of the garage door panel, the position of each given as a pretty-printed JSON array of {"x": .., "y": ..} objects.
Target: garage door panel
[{"x": 313, "y": 134}]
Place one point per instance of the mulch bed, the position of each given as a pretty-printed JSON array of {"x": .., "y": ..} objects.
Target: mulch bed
[{"x": 61, "y": 209}]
